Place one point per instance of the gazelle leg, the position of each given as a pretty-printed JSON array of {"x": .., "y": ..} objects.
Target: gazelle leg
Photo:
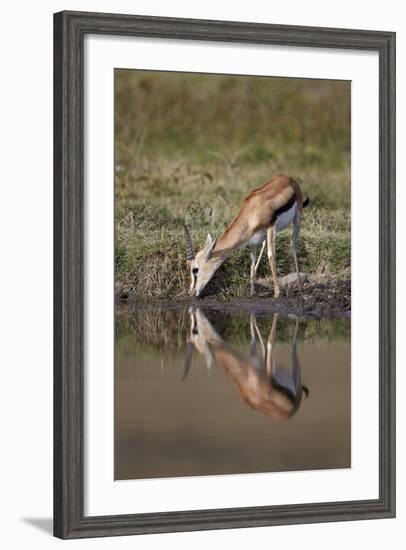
[
  {"x": 256, "y": 329},
  {"x": 255, "y": 263},
  {"x": 293, "y": 353},
  {"x": 296, "y": 371},
  {"x": 270, "y": 234},
  {"x": 295, "y": 233},
  {"x": 253, "y": 338},
  {"x": 271, "y": 346},
  {"x": 260, "y": 255},
  {"x": 257, "y": 358},
  {"x": 253, "y": 254}
]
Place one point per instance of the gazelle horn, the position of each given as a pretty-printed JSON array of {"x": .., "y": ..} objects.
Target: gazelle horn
[{"x": 189, "y": 246}]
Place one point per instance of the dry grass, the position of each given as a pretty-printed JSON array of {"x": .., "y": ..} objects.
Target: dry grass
[{"x": 189, "y": 148}]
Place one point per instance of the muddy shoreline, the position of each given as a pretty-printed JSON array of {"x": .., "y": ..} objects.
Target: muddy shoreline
[{"x": 321, "y": 298}]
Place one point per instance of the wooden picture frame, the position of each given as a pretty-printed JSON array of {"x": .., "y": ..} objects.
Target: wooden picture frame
[{"x": 70, "y": 29}]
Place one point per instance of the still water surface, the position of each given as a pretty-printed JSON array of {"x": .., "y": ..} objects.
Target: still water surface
[{"x": 203, "y": 392}]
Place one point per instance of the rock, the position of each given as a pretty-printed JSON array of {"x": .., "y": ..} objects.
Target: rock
[{"x": 291, "y": 279}]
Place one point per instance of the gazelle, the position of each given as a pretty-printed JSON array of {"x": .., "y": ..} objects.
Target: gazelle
[
  {"x": 263, "y": 213},
  {"x": 263, "y": 385}
]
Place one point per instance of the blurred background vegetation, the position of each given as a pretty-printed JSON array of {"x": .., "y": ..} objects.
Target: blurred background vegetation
[{"x": 189, "y": 147}]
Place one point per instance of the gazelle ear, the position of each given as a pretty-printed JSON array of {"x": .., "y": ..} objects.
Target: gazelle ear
[
  {"x": 209, "y": 241},
  {"x": 209, "y": 246}
]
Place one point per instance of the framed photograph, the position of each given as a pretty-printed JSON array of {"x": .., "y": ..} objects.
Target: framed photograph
[{"x": 224, "y": 267}]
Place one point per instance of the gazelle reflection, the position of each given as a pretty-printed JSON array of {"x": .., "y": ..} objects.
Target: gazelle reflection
[{"x": 265, "y": 386}]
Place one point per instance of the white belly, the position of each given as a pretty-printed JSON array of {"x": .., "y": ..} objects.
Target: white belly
[
  {"x": 285, "y": 218},
  {"x": 257, "y": 238}
]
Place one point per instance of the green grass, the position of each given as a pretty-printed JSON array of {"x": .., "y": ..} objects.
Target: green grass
[{"x": 188, "y": 148}]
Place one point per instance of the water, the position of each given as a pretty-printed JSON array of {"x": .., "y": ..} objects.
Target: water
[{"x": 203, "y": 392}]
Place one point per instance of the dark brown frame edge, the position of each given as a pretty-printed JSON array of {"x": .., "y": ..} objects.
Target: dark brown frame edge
[{"x": 69, "y": 31}]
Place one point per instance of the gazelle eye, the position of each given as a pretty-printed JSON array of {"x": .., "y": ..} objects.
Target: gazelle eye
[{"x": 195, "y": 270}]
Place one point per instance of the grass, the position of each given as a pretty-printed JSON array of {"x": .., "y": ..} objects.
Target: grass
[{"x": 188, "y": 148}]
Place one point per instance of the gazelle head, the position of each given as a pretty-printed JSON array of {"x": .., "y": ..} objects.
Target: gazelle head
[
  {"x": 202, "y": 265},
  {"x": 202, "y": 336}
]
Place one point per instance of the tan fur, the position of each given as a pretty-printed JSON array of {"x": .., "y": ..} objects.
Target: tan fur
[
  {"x": 254, "y": 386},
  {"x": 257, "y": 211}
]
